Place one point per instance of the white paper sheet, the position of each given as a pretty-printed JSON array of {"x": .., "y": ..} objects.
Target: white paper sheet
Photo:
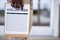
[{"x": 17, "y": 22}]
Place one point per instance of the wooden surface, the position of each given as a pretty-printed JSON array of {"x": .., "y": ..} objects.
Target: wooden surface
[
  {"x": 16, "y": 35},
  {"x": 31, "y": 14},
  {"x": 25, "y": 1}
]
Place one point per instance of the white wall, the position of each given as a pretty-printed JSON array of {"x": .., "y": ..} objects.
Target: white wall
[{"x": 55, "y": 17}]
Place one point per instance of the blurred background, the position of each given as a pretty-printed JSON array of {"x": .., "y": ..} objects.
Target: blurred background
[
  {"x": 41, "y": 12},
  {"x": 1, "y": 17},
  {"x": 1, "y": 12}
]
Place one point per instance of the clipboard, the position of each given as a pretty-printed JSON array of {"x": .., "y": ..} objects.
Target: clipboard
[{"x": 17, "y": 22}]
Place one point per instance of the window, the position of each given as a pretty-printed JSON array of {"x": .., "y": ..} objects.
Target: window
[{"x": 41, "y": 12}]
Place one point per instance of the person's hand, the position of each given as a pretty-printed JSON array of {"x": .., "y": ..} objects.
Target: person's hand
[{"x": 17, "y": 4}]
